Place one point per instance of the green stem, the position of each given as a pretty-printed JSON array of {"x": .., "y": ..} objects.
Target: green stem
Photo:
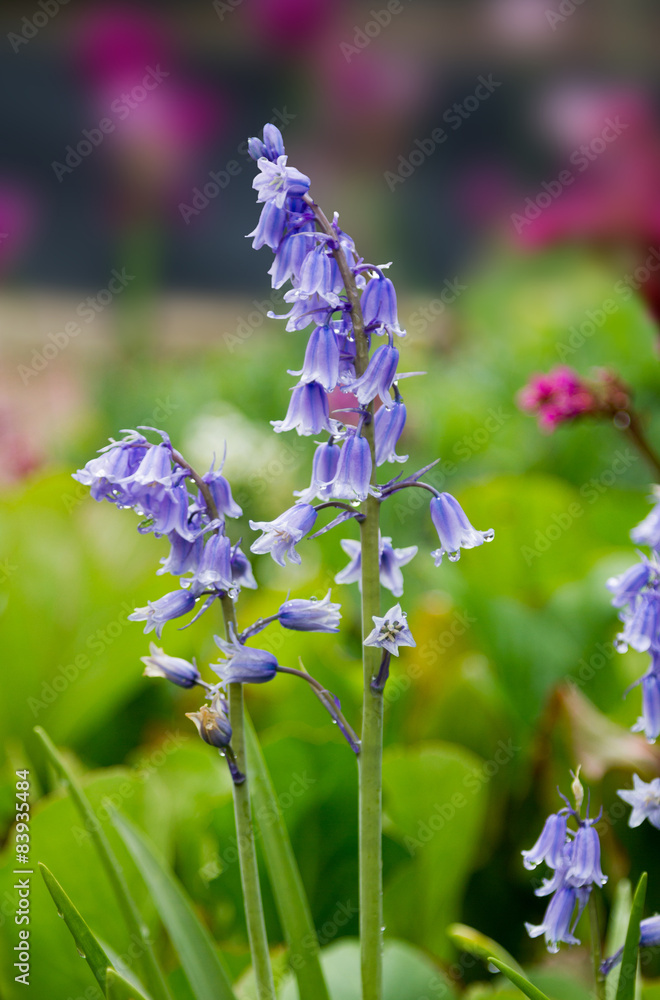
[
  {"x": 247, "y": 853},
  {"x": 596, "y": 957},
  {"x": 371, "y": 753}
]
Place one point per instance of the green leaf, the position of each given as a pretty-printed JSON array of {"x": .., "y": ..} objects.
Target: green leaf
[
  {"x": 616, "y": 931},
  {"x": 284, "y": 874},
  {"x": 475, "y": 943},
  {"x": 192, "y": 941},
  {"x": 628, "y": 975},
  {"x": 118, "y": 988},
  {"x": 87, "y": 945},
  {"x": 523, "y": 984},
  {"x": 113, "y": 869}
]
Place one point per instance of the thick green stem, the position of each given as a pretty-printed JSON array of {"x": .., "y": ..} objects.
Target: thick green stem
[{"x": 247, "y": 854}]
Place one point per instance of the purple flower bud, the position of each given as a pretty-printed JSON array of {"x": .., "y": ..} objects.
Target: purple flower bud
[
  {"x": 270, "y": 227},
  {"x": 550, "y": 845},
  {"x": 353, "y": 474},
  {"x": 212, "y": 726},
  {"x": 378, "y": 304},
  {"x": 321, "y": 359},
  {"x": 388, "y": 427},
  {"x": 454, "y": 530},
  {"x": 241, "y": 569},
  {"x": 391, "y": 631},
  {"x": 310, "y": 616},
  {"x": 243, "y": 665},
  {"x": 281, "y": 536},
  {"x": 641, "y": 622},
  {"x": 276, "y": 182},
  {"x": 378, "y": 377},
  {"x": 256, "y": 148},
  {"x": 627, "y": 585},
  {"x": 221, "y": 493},
  {"x": 156, "y": 613},
  {"x": 173, "y": 668},
  {"x": 308, "y": 411},
  {"x": 273, "y": 141},
  {"x": 324, "y": 469}
]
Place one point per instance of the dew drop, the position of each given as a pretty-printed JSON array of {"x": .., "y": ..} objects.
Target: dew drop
[
  {"x": 81, "y": 952},
  {"x": 60, "y": 914}
]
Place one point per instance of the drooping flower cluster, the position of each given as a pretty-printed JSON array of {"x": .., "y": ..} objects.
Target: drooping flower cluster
[
  {"x": 562, "y": 394},
  {"x": 636, "y": 594},
  {"x": 574, "y": 858}
]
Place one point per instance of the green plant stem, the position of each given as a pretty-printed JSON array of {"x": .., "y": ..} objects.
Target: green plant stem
[
  {"x": 635, "y": 431},
  {"x": 371, "y": 753},
  {"x": 596, "y": 957},
  {"x": 247, "y": 854}
]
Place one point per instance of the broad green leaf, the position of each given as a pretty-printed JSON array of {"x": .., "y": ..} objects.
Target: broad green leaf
[
  {"x": 191, "y": 940},
  {"x": 616, "y": 931},
  {"x": 628, "y": 975},
  {"x": 475, "y": 943},
  {"x": 87, "y": 945},
  {"x": 435, "y": 799},
  {"x": 523, "y": 984},
  {"x": 152, "y": 971},
  {"x": 118, "y": 988},
  {"x": 408, "y": 973},
  {"x": 284, "y": 874}
]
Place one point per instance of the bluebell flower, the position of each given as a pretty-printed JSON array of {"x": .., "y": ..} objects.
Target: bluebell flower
[
  {"x": 155, "y": 469},
  {"x": 310, "y": 616},
  {"x": 317, "y": 277},
  {"x": 649, "y": 937},
  {"x": 351, "y": 481},
  {"x": 291, "y": 253},
  {"x": 305, "y": 311},
  {"x": 627, "y": 585},
  {"x": 391, "y": 631},
  {"x": 558, "y": 924},
  {"x": 641, "y": 623},
  {"x": 647, "y": 531},
  {"x": 256, "y": 148},
  {"x": 243, "y": 664},
  {"x": 273, "y": 141},
  {"x": 454, "y": 530},
  {"x": 391, "y": 561},
  {"x": 173, "y": 668},
  {"x": 156, "y": 613},
  {"x": 277, "y": 182},
  {"x": 212, "y": 725},
  {"x": 167, "y": 510},
  {"x": 270, "y": 227},
  {"x": 378, "y": 304},
  {"x": 183, "y": 556},
  {"x": 281, "y": 536},
  {"x": 221, "y": 493},
  {"x": 308, "y": 411},
  {"x": 324, "y": 469},
  {"x": 550, "y": 845},
  {"x": 644, "y": 798},
  {"x": 241, "y": 569},
  {"x": 377, "y": 378},
  {"x": 388, "y": 427},
  {"x": 321, "y": 359},
  {"x": 584, "y": 868},
  {"x": 649, "y": 721},
  {"x": 214, "y": 568},
  {"x": 116, "y": 462}
]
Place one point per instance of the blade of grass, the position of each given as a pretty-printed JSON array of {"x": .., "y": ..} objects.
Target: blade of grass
[
  {"x": 627, "y": 977},
  {"x": 136, "y": 926},
  {"x": 118, "y": 988},
  {"x": 475, "y": 943},
  {"x": 616, "y": 931},
  {"x": 284, "y": 875},
  {"x": 523, "y": 984},
  {"x": 200, "y": 962}
]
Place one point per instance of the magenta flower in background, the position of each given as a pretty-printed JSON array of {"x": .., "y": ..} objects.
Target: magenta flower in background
[{"x": 555, "y": 397}]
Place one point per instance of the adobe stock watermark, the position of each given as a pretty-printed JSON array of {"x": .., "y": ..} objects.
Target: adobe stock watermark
[
  {"x": 87, "y": 310},
  {"x": 596, "y": 318},
  {"x": 590, "y": 492},
  {"x": 419, "y": 321},
  {"x": 120, "y": 109},
  {"x": 364, "y": 36},
  {"x": 32, "y": 25},
  {"x": 565, "y": 10},
  {"x": 581, "y": 158},
  {"x": 219, "y": 180},
  {"x": 454, "y": 117},
  {"x": 254, "y": 320},
  {"x": 224, "y": 7}
]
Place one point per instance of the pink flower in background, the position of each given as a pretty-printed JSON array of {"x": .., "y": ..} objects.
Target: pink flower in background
[
  {"x": 17, "y": 209},
  {"x": 555, "y": 397}
]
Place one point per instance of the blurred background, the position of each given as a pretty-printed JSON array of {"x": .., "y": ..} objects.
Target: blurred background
[{"x": 506, "y": 156}]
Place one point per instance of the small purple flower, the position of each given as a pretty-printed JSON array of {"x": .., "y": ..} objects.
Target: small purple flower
[
  {"x": 273, "y": 141},
  {"x": 391, "y": 631},
  {"x": 627, "y": 585},
  {"x": 214, "y": 569},
  {"x": 324, "y": 469},
  {"x": 645, "y": 801},
  {"x": 184, "y": 555},
  {"x": 308, "y": 411},
  {"x": 173, "y": 668},
  {"x": 556, "y": 926},
  {"x": 281, "y": 536},
  {"x": 377, "y": 378},
  {"x": 156, "y": 613},
  {"x": 155, "y": 469},
  {"x": 550, "y": 845},
  {"x": 290, "y": 255},
  {"x": 353, "y": 474},
  {"x": 317, "y": 277},
  {"x": 303, "y": 312},
  {"x": 310, "y": 616},
  {"x": 584, "y": 868},
  {"x": 388, "y": 427},
  {"x": 649, "y": 721},
  {"x": 379, "y": 305},
  {"x": 277, "y": 182},
  {"x": 641, "y": 623},
  {"x": 115, "y": 463},
  {"x": 321, "y": 359},
  {"x": 270, "y": 227},
  {"x": 454, "y": 530},
  {"x": 212, "y": 723},
  {"x": 167, "y": 511},
  {"x": 391, "y": 561},
  {"x": 647, "y": 531},
  {"x": 649, "y": 937},
  {"x": 241, "y": 569},
  {"x": 221, "y": 493},
  {"x": 243, "y": 665}
]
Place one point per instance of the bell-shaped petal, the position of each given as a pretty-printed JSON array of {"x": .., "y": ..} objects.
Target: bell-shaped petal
[
  {"x": 156, "y": 613},
  {"x": 281, "y": 536},
  {"x": 377, "y": 378},
  {"x": 321, "y": 359},
  {"x": 454, "y": 530},
  {"x": 353, "y": 474},
  {"x": 388, "y": 427},
  {"x": 308, "y": 411},
  {"x": 173, "y": 668},
  {"x": 550, "y": 845},
  {"x": 310, "y": 615}
]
